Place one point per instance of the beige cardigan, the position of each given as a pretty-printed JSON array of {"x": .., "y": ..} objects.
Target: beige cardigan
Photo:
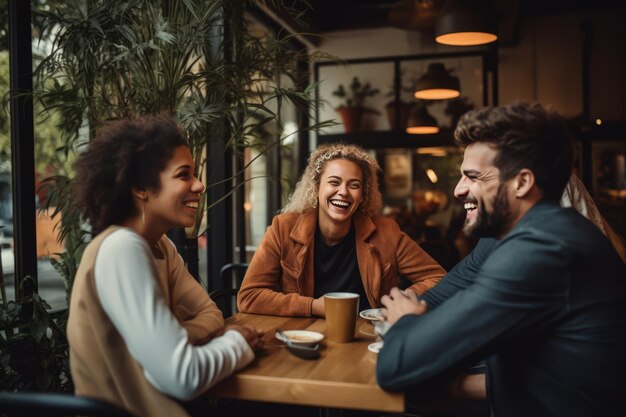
[{"x": 100, "y": 362}]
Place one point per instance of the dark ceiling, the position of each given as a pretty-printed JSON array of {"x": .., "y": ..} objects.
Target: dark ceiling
[{"x": 333, "y": 15}]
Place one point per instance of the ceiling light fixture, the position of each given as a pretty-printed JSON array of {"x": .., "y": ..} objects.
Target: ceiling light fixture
[
  {"x": 421, "y": 122},
  {"x": 432, "y": 151},
  {"x": 432, "y": 175},
  {"x": 437, "y": 84},
  {"x": 466, "y": 23},
  {"x": 414, "y": 14}
]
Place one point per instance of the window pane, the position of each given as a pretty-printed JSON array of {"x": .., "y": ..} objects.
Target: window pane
[
  {"x": 50, "y": 160},
  {"x": 6, "y": 199}
]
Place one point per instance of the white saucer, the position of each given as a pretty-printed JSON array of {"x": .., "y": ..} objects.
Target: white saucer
[
  {"x": 372, "y": 314},
  {"x": 301, "y": 337},
  {"x": 375, "y": 347}
]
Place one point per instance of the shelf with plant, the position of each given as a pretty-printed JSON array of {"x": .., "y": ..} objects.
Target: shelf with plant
[
  {"x": 398, "y": 107},
  {"x": 353, "y": 105}
]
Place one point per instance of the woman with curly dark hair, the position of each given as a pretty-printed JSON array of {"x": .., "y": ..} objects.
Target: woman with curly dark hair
[
  {"x": 331, "y": 237},
  {"x": 142, "y": 331}
]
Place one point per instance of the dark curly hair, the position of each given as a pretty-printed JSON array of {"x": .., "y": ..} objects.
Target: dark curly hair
[
  {"x": 124, "y": 155},
  {"x": 524, "y": 136}
]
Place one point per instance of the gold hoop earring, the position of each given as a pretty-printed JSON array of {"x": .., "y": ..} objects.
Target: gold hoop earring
[{"x": 143, "y": 213}]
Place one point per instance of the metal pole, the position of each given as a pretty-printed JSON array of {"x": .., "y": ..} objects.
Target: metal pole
[
  {"x": 219, "y": 168},
  {"x": 22, "y": 145}
]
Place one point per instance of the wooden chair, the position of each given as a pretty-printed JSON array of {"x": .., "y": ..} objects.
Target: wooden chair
[{"x": 40, "y": 404}]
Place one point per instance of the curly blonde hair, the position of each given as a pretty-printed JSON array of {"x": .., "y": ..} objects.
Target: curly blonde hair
[{"x": 305, "y": 196}]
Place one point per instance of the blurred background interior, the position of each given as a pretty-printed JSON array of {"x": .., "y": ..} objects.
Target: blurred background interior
[{"x": 374, "y": 59}]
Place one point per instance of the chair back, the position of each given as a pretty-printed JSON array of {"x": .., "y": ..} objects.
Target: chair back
[
  {"x": 40, "y": 404},
  {"x": 232, "y": 276}
]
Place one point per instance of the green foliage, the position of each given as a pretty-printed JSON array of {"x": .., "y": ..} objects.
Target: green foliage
[
  {"x": 34, "y": 353},
  {"x": 109, "y": 59},
  {"x": 48, "y": 140},
  {"x": 35, "y": 5},
  {"x": 194, "y": 59},
  {"x": 72, "y": 231},
  {"x": 356, "y": 95}
]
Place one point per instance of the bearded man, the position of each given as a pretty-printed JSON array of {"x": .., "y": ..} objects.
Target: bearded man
[{"x": 542, "y": 299}]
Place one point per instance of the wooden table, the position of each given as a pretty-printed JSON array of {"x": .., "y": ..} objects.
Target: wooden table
[{"x": 343, "y": 377}]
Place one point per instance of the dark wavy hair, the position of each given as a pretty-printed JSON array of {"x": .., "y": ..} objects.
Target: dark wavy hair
[
  {"x": 524, "y": 136},
  {"x": 124, "y": 155}
]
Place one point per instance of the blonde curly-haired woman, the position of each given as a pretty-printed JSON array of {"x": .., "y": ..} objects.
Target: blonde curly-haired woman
[{"x": 330, "y": 237}]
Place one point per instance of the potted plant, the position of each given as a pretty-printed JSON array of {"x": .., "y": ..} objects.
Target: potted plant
[
  {"x": 353, "y": 108},
  {"x": 34, "y": 353},
  {"x": 398, "y": 109},
  {"x": 456, "y": 108}
]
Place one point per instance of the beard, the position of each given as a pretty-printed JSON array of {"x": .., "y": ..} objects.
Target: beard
[{"x": 494, "y": 224}]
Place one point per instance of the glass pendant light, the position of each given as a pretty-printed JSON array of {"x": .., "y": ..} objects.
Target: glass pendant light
[
  {"x": 421, "y": 122},
  {"x": 437, "y": 84},
  {"x": 466, "y": 23}
]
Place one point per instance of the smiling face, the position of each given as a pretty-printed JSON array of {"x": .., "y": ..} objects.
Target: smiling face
[
  {"x": 484, "y": 196},
  {"x": 175, "y": 203},
  {"x": 340, "y": 191}
]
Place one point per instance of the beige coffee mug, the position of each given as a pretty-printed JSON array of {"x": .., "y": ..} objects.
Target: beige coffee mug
[{"x": 341, "y": 309}]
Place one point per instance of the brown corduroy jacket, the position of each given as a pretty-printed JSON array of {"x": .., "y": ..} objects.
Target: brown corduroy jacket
[{"x": 280, "y": 278}]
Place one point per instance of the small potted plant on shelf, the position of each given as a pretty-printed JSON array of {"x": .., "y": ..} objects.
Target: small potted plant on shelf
[
  {"x": 353, "y": 108},
  {"x": 456, "y": 108},
  {"x": 398, "y": 109}
]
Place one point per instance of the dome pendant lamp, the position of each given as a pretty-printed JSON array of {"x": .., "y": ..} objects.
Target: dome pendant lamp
[
  {"x": 421, "y": 122},
  {"x": 437, "y": 84},
  {"x": 466, "y": 23}
]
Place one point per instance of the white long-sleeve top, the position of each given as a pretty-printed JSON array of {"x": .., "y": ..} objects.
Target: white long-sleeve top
[{"x": 126, "y": 275}]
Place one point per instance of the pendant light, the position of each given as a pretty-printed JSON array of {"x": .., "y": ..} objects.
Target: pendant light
[
  {"x": 414, "y": 14},
  {"x": 421, "y": 122},
  {"x": 437, "y": 84},
  {"x": 466, "y": 23}
]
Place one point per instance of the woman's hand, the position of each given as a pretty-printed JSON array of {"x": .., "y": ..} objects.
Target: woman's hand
[
  {"x": 318, "y": 308},
  {"x": 400, "y": 303},
  {"x": 252, "y": 335}
]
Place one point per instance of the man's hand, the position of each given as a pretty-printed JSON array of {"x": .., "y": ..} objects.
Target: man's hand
[
  {"x": 469, "y": 387},
  {"x": 252, "y": 335},
  {"x": 400, "y": 303}
]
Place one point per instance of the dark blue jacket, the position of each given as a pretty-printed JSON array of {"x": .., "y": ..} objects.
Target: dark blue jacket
[{"x": 546, "y": 307}]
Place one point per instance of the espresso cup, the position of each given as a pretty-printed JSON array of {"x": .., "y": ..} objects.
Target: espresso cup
[{"x": 341, "y": 309}]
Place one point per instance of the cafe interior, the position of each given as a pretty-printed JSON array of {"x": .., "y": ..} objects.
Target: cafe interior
[{"x": 392, "y": 76}]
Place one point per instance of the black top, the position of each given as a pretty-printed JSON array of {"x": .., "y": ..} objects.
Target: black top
[
  {"x": 337, "y": 269},
  {"x": 546, "y": 307}
]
